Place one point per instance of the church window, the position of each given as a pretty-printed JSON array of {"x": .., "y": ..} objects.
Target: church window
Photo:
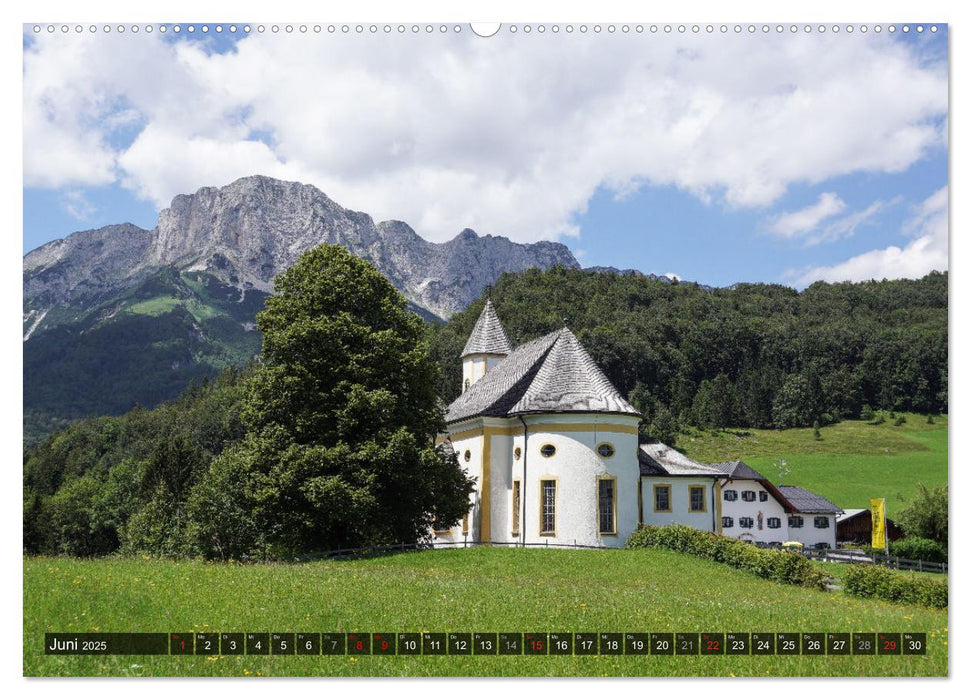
[
  {"x": 547, "y": 502},
  {"x": 728, "y": 522},
  {"x": 696, "y": 499},
  {"x": 515, "y": 506},
  {"x": 605, "y": 450},
  {"x": 746, "y": 522},
  {"x": 774, "y": 523},
  {"x": 517, "y": 453},
  {"x": 821, "y": 522},
  {"x": 468, "y": 383},
  {"x": 468, "y": 455},
  {"x": 795, "y": 521},
  {"x": 763, "y": 495},
  {"x": 748, "y": 496},
  {"x": 662, "y": 498},
  {"x": 547, "y": 450},
  {"x": 731, "y": 495},
  {"x": 607, "y": 505}
]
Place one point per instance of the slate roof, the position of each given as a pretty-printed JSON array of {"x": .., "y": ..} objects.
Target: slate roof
[
  {"x": 657, "y": 459},
  {"x": 552, "y": 374},
  {"x": 851, "y": 513},
  {"x": 806, "y": 501},
  {"x": 738, "y": 470},
  {"x": 488, "y": 336}
]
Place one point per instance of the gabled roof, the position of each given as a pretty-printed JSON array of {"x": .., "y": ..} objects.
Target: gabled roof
[
  {"x": 657, "y": 459},
  {"x": 488, "y": 336},
  {"x": 742, "y": 471},
  {"x": 552, "y": 374},
  {"x": 851, "y": 513},
  {"x": 738, "y": 470},
  {"x": 806, "y": 501}
]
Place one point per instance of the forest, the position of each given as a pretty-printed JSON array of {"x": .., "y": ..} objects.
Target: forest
[
  {"x": 747, "y": 356},
  {"x": 209, "y": 473}
]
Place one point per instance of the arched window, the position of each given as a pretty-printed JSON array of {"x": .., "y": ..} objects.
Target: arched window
[{"x": 468, "y": 383}]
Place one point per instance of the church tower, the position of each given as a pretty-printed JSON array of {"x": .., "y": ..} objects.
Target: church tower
[{"x": 485, "y": 348}]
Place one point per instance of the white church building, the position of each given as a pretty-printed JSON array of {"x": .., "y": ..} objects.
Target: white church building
[{"x": 554, "y": 450}]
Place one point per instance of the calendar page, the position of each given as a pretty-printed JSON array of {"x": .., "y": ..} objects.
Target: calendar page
[{"x": 423, "y": 348}]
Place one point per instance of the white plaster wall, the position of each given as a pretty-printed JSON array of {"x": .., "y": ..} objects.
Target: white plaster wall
[
  {"x": 474, "y": 367},
  {"x": 473, "y": 468},
  {"x": 576, "y": 467},
  {"x": 810, "y": 535},
  {"x": 500, "y": 478},
  {"x": 739, "y": 509},
  {"x": 680, "y": 503}
]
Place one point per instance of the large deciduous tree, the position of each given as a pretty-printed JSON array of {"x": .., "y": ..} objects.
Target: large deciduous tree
[{"x": 340, "y": 417}]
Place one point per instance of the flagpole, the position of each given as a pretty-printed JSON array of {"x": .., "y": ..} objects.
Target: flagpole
[{"x": 886, "y": 533}]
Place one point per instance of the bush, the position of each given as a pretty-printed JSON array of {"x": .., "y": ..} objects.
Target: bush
[
  {"x": 870, "y": 581},
  {"x": 771, "y": 564},
  {"x": 900, "y": 420},
  {"x": 866, "y": 413},
  {"x": 879, "y": 420},
  {"x": 919, "y": 548},
  {"x": 926, "y": 515}
]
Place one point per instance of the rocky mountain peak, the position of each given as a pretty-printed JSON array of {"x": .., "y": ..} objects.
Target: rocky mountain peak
[{"x": 249, "y": 231}]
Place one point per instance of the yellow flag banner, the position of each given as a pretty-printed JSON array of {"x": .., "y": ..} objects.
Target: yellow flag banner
[{"x": 878, "y": 513}]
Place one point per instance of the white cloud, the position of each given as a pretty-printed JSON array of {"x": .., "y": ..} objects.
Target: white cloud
[
  {"x": 797, "y": 223},
  {"x": 846, "y": 226},
  {"x": 927, "y": 251},
  {"x": 508, "y": 135},
  {"x": 77, "y": 205}
]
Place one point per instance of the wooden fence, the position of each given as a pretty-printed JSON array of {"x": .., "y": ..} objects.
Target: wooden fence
[{"x": 859, "y": 556}]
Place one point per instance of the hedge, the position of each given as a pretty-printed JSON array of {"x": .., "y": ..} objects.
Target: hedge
[
  {"x": 919, "y": 548},
  {"x": 870, "y": 581},
  {"x": 776, "y": 565}
]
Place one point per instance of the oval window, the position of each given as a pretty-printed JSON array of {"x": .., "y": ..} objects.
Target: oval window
[
  {"x": 605, "y": 449},
  {"x": 547, "y": 450},
  {"x": 518, "y": 452},
  {"x": 468, "y": 455}
]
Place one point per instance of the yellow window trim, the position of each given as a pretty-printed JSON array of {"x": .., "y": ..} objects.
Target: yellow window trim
[
  {"x": 545, "y": 444},
  {"x": 515, "y": 507},
  {"x": 662, "y": 486},
  {"x": 556, "y": 505},
  {"x": 613, "y": 531},
  {"x": 704, "y": 498}
]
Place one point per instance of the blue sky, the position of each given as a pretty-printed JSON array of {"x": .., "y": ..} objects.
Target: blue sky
[{"x": 719, "y": 158}]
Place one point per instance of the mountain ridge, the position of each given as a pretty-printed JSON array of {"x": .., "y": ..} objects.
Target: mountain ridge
[
  {"x": 247, "y": 232},
  {"x": 121, "y": 315}
]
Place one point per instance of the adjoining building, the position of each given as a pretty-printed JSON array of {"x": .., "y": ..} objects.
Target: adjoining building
[
  {"x": 554, "y": 449},
  {"x": 855, "y": 526}
]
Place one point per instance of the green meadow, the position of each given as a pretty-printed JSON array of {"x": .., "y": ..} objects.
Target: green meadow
[
  {"x": 853, "y": 461},
  {"x": 469, "y": 590}
]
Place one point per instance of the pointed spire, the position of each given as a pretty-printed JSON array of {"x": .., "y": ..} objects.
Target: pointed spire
[{"x": 488, "y": 336}]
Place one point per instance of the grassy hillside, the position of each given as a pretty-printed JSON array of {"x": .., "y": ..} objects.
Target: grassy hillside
[
  {"x": 852, "y": 463},
  {"x": 462, "y": 590},
  {"x": 141, "y": 347}
]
